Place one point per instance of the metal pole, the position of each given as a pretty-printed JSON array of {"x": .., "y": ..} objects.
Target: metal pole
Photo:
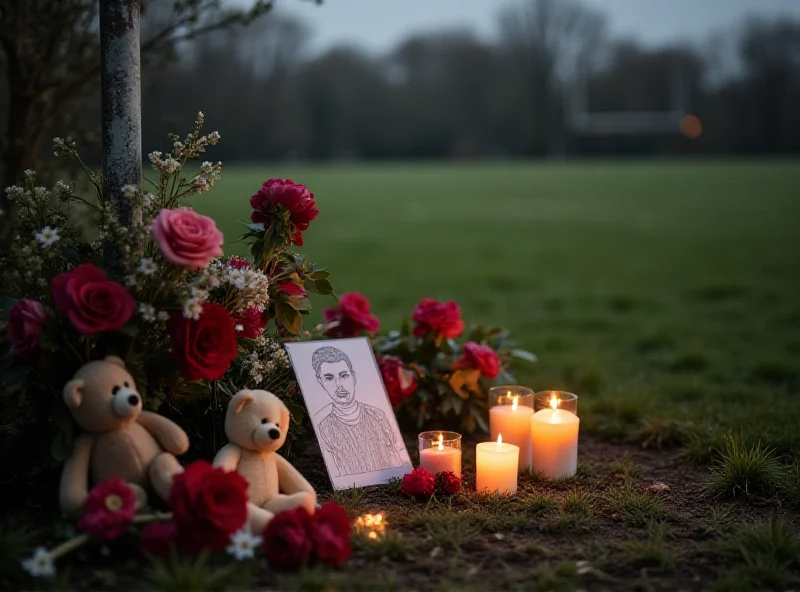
[{"x": 121, "y": 111}]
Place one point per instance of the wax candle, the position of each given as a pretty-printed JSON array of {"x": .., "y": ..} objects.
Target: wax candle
[
  {"x": 496, "y": 467},
  {"x": 511, "y": 416},
  {"x": 554, "y": 433},
  {"x": 440, "y": 452}
]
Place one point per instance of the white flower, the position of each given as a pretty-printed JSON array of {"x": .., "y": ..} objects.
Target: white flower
[
  {"x": 40, "y": 565},
  {"x": 243, "y": 544},
  {"x": 129, "y": 191},
  {"x": 47, "y": 236},
  {"x": 148, "y": 312},
  {"x": 192, "y": 308},
  {"x": 239, "y": 328},
  {"x": 147, "y": 266},
  {"x": 162, "y": 315}
]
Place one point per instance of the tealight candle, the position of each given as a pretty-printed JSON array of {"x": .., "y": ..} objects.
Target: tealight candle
[
  {"x": 510, "y": 414},
  {"x": 440, "y": 452},
  {"x": 496, "y": 467},
  {"x": 554, "y": 433}
]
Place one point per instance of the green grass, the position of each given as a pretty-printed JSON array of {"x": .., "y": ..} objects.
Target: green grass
[
  {"x": 654, "y": 290},
  {"x": 746, "y": 470}
]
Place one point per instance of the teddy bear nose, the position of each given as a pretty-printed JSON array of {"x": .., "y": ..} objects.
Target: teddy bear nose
[
  {"x": 274, "y": 433},
  {"x": 133, "y": 400}
]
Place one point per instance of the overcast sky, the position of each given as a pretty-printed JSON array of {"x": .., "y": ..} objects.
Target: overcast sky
[{"x": 378, "y": 25}]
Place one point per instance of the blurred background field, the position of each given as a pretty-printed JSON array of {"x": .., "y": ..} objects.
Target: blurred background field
[{"x": 664, "y": 293}]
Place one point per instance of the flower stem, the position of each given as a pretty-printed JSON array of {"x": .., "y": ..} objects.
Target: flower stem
[
  {"x": 155, "y": 517},
  {"x": 69, "y": 545}
]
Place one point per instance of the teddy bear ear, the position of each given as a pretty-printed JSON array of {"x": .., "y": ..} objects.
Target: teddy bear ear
[
  {"x": 73, "y": 393},
  {"x": 116, "y": 360},
  {"x": 240, "y": 400}
]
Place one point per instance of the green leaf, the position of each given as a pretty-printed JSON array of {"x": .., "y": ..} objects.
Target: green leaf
[
  {"x": 323, "y": 287},
  {"x": 524, "y": 355},
  {"x": 321, "y": 274},
  {"x": 254, "y": 227},
  {"x": 298, "y": 412},
  {"x": 130, "y": 329},
  {"x": 289, "y": 317}
]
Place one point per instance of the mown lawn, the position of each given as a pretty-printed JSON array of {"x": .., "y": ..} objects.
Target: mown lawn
[{"x": 664, "y": 293}]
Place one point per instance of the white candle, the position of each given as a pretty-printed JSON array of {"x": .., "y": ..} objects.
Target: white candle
[
  {"x": 514, "y": 422},
  {"x": 496, "y": 467},
  {"x": 441, "y": 458},
  {"x": 554, "y": 433}
]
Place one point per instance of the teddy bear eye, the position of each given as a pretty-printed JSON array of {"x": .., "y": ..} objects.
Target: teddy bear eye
[
  {"x": 264, "y": 420},
  {"x": 115, "y": 390},
  {"x": 126, "y": 384}
]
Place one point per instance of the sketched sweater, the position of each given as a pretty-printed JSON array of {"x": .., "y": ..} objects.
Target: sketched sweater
[{"x": 361, "y": 445}]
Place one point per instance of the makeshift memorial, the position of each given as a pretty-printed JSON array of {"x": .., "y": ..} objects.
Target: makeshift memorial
[{"x": 256, "y": 424}]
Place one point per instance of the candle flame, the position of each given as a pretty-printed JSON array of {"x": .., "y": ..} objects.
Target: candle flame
[
  {"x": 554, "y": 401},
  {"x": 515, "y": 403},
  {"x": 441, "y": 439},
  {"x": 499, "y": 441}
]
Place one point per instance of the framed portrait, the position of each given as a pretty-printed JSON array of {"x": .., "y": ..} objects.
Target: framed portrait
[{"x": 350, "y": 410}]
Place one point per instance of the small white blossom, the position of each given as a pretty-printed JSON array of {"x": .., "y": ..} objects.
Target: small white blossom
[
  {"x": 192, "y": 308},
  {"x": 243, "y": 544},
  {"x": 147, "y": 266},
  {"x": 162, "y": 315},
  {"x": 62, "y": 187},
  {"x": 239, "y": 328},
  {"x": 130, "y": 281},
  {"x": 129, "y": 191},
  {"x": 47, "y": 236},
  {"x": 40, "y": 565},
  {"x": 148, "y": 312}
]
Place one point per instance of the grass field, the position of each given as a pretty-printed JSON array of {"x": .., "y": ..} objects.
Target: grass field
[{"x": 665, "y": 294}]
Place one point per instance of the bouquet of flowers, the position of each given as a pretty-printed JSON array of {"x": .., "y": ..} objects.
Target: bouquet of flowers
[
  {"x": 190, "y": 323},
  {"x": 433, "y": 380}
]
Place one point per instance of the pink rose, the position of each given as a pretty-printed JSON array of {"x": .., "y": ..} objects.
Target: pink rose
[
  {"x": 353, "y": 315},
  {"x": 186, "y": 238},
  {"x": 441, "y": 319},
  {"x": 485, "y": 359},
  {"x": 26, "y": 321}
]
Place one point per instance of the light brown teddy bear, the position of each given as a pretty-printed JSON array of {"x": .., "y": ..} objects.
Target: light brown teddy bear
[
  {"x": 256, "y": 425},
  {"x": 119, "y": 439}
]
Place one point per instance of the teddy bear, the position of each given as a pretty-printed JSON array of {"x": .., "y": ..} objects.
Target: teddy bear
[
  {"x": 256, "y": 424},
  {"x": 119, "y": 439}
]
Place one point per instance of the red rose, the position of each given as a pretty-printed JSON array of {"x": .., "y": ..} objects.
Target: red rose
[
  {"x": 485, "y": 359},
  {"x": 330, "y": 533},
  {"x": 287, "y": 538},
  {"x": 419, "y": 483},
  {"x": 400, "y": 381},
  {"x": 277, "y": 196},
  {"x": 448, "y": 483},
  {"x": 90, "y": 301},
  {"x": 238, "y": 263},
  {"x": 205, "y": 348},
  {"x": 186, "y": 238},
  {"x": 159, "y": 538},
  {"x": 353, "y": 316},
  {"x": 292, "y": 289},
  {"x": 26, "y": 320},
  {"x": 208, "y": 505},
  {"x": 252, "y": 322},
  {"x": 441, "y": 319},
  {"x": 108, "y": 510}
]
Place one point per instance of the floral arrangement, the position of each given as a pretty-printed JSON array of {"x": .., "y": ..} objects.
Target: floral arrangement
[
  {"x": 432, "y": 378},
  {"x": 208, "y": 514},
  {"x": 191, "y": 324}
]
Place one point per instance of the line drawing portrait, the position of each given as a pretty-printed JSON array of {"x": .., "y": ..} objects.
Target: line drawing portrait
[{"x": 350, "y": 411}]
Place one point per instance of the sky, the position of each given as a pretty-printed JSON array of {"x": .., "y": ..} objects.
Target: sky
[{"x": 379, "y": 25}]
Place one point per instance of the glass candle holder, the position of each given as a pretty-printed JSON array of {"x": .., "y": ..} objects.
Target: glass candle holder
[
  {"x": 440, "y": 452},
  {"x": 510, "y": 411},
  {"x": 554, "y": 434}
]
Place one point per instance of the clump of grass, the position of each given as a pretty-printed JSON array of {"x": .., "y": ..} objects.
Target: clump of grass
[
  {"x": 775, "y": 372},
  {"x": 790, "y": 487},
  {"x": 652, "y": 552},
  {"x": 575, "y": 514},
  {"x": 745, "y": 471},
  {"x": 350, "y": 499},
  {"x": 558, "y": 578},
  {"x": 392, "y": 545},
  {"x": 661, "y": 433},
  {"x": 180, "y": 573},
  {"x": 539, "y": 504},
  {"x": 718, "y": 521},
  {"x": 638, "y": 508},
  {"x": 453, "y": 534},
  {"x": 626, "y": 469},
  {"x": 703, "y": 445},
  {"x": 577, "y": 503},
  {"x": 766, "y": 554}
]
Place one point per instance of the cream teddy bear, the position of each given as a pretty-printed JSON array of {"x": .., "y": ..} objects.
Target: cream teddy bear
[
  {"x": 119, "y": 439},
  {"x": 256, "y": 424}
]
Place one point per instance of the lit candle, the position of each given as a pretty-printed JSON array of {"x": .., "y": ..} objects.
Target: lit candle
[
  {"x": 440, "y": 452},
  {"x": 514, "y": 421},
  {"x": 554, "y": 433},
  {"x": 496, "y": 467}
]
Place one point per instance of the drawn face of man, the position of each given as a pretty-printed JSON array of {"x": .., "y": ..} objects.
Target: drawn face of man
[{"x": 338, "y": 382}]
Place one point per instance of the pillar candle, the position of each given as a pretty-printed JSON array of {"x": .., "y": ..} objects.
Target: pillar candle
[
  {"x": 496, "y": 467},
  {"x": 554, "y": 434},
  {"x": 440, "y": 459},
  {"x": 514, "y": 423}
]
